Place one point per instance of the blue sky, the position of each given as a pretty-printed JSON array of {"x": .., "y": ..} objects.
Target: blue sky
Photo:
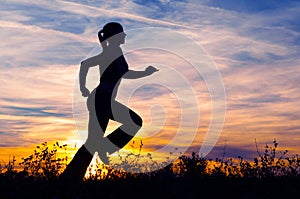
[{"x": 254, "y": 45}]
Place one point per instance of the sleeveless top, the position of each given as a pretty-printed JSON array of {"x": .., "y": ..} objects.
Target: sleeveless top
[{"x": 111, "y": 75}]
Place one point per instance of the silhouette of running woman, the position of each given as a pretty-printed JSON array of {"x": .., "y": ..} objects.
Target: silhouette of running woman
[{"x": 101, "y": 102}]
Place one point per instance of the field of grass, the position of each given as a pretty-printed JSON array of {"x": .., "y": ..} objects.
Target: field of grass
[{"x": 272, "y": 174}]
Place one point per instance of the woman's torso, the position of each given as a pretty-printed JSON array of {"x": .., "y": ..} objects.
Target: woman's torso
[{"x": 112, "y": 70}]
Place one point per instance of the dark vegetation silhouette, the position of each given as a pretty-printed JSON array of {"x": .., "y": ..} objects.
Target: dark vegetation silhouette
[{"x": 272, "y": 174}]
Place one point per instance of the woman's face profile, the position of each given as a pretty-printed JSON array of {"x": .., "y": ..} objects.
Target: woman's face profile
[
  {"x": 121, "y": 37},
  {"x": 117, "y": 39},
  {"x": 124, "y": 36}
]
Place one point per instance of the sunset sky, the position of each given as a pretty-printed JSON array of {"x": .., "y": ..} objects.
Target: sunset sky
[{"x": 253, "y": 44}]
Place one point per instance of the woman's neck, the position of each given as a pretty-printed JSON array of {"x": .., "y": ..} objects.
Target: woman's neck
[{"x": 114, "y": 45}]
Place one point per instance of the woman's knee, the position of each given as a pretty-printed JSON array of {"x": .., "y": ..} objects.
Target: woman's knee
[{"x": 137, "y": 119}]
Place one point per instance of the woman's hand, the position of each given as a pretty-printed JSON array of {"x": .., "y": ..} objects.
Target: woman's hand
[
  {"x": 150, "y": 70},
  {"x": 85, "y": 92}
]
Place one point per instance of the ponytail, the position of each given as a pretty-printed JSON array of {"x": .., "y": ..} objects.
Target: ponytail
[
  {"x": 102, "y": 39},
  {"x": 101, "y": 36}
]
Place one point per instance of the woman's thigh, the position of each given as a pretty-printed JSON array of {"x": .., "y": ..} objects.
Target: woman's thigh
[
  {"x": 124, "y": 115},
  {"x": 99, "y": 107}
]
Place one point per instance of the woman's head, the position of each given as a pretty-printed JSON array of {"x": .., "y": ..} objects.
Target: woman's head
[{"x": 112, "y": 32}]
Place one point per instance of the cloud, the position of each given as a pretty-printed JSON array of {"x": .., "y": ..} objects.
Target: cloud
[
  {"x": 37, "y": 46},
  {"x": 24, "y": 111},
  {"x": 255, "y": 46},
  {"x": 251, "y": 5},
  {"x": 36, "y": 104}
]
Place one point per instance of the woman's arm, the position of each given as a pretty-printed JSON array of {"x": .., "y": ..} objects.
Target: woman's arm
[
  {"x": 139, "y": 74},
  {"x": 84, "y": 68}
]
